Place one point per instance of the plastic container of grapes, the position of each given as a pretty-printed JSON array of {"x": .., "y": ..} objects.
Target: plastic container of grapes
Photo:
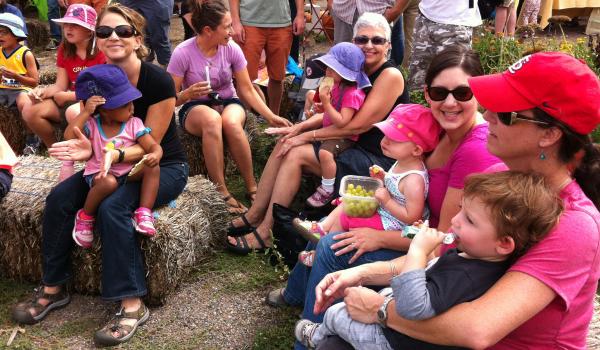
[{"x": 357, "y": 205}]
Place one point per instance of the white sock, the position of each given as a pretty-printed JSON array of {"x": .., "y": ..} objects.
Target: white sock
[{"x": 327, "y": 184}]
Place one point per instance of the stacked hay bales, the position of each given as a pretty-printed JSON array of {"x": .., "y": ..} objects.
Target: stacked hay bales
[
  {"x": 38, "y": 34},
  {"x": 186, "y": 233},
  {"x": 193, "y": 147}
]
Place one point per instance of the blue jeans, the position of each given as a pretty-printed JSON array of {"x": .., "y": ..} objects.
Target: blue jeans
[
  {"x": 54, "y": 13},
  {"x": 398, "y": 42},
  {"x": 301, "y": 284},
  {"x": 123, "y": 272},
  {"x": 158, "y": 20}
]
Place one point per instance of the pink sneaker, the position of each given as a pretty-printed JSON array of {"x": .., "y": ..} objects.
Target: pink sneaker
[
  {"x": 307, "y": 257},
  {"x": 144, "y": 222},
  {"x": 83, "y": 232},
  {"x": 320, "y": 198},
  {"x": 66, "y": 170}
]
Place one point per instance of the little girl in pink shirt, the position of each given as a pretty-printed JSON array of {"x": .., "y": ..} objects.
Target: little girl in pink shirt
[{"x": 108, "y": 121}]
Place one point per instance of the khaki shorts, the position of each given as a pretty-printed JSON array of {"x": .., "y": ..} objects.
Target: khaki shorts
[{"x": 276, "y": 42}]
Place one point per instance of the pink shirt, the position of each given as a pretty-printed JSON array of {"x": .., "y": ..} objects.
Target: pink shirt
[
  {"x": 471, "y": 156},
  {"x": 567, "y": 261},
  {"x": 353, "y": 98},
  {"x": 130, "y": 131},
  {"x": 189, "y": 62}
]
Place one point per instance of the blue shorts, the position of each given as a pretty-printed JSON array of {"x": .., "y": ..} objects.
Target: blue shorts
[
  {"x": 185, "y": 109},
  {"x": 89, "y": 179},
  {"x": 5, "y": 182}
]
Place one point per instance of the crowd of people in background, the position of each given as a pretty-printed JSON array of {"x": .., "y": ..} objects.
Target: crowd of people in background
[{"x": 515, "y": 188}]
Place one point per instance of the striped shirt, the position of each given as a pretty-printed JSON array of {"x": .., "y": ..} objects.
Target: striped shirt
[{"x": 344, "y": 9}]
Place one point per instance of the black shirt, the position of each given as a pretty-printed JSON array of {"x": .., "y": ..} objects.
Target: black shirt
[
  {"x": 157, "y": 85},
  {"x": 371, "y": 139}
]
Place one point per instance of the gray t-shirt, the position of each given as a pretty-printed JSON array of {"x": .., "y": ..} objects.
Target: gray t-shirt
[{"x": 265, "y": 13}]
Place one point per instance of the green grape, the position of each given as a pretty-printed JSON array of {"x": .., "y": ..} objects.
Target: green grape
[
  {"x": 359, "y": 188},
  {"x": 350, "y": 187}
]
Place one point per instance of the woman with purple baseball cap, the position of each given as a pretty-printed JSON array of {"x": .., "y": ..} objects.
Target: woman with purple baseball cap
[
  {"x": 119, "y": 35},
  {"x": 540, "y": 124}
]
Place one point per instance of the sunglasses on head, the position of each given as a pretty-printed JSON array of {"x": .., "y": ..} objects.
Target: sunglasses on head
[
  {"x": 123, "y": 31},
  {"x": 461, "y": 93},
  {"x": 363, "y": 40},
  {"x": 509, "y": 118}
]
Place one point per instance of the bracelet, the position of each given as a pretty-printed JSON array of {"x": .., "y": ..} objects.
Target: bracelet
[
  {"x": 121, "y": 155},
  {"x": 314, "y": 135}
]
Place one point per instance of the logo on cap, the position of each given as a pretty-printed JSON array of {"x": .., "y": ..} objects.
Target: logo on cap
[{"x": 519, "y": 64}]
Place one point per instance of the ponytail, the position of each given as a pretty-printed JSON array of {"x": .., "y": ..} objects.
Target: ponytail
[{"x": 207, "y": 13}]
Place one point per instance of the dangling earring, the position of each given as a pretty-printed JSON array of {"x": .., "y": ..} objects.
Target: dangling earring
[{"x": 542, "y": 155}]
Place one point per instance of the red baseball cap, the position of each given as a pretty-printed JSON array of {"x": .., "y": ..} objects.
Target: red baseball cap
[
  {"x": 412, "y": 122},
  {"x": 557, "y": 83}
]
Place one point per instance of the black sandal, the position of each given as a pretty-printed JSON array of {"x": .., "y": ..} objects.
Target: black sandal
[
  {"x": 242, "y": 247},
  {"x": 21, "y": 312},
  {"x": 242, "y": 230}
]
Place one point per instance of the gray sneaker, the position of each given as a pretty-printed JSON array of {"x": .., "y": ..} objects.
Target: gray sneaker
[
  {"x": 52, "y": 45},
  {"x": 32, "y": 145},
  {"x": 304, "y": 331}
]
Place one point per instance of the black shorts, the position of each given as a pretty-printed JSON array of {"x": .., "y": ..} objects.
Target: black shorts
[
  {"x": 185, "y": 109},
  {"x": 5, "y": 182}
]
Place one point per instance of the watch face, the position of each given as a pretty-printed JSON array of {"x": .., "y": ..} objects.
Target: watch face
[{"x": 380, "y": 315}]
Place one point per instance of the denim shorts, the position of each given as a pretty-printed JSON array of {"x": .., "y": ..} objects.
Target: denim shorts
[
  {"x": 89, "y": 179},
  {"x": 187, "y": 107}
]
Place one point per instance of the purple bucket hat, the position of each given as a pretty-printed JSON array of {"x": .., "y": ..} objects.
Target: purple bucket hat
[
  {"x": 108, "y": 81},
  {"x": 347, "y": 60}
]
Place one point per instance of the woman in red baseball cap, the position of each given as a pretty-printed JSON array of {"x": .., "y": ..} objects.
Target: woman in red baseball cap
[{"x": 540, "y": 112}]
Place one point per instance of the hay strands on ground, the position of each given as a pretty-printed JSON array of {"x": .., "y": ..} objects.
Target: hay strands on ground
[{"x": 185, "y": 233}]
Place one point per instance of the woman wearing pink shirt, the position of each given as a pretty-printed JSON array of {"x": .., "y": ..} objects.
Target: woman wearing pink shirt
[{"x": 538, "y": 122}]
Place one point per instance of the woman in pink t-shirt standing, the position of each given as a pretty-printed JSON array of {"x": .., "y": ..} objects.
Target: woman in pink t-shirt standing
[
  {"x": 203, "y": 69},
  {"x": 538, "y": 122}
]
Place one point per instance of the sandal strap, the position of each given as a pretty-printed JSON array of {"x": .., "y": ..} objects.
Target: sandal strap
[
  {"x": 259, "y": 240},
  {"x": 245, "y": 220}
]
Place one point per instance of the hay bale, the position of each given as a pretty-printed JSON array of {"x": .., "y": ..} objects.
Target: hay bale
[
  {"x": 47, "y": 76},
  {"x": 193, "y": 147},
  {"x": 13, "y": 128},
  {"x": 38, "y": 33},
  {"x": 185, "y": 234},
  {"x": 593, "y": 338}
]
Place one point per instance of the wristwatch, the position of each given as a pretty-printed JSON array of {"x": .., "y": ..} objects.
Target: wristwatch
[{"x": 382, "y": 314}]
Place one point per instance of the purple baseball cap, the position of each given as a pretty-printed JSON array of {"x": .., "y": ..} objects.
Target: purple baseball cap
[
  {"x": 108, "y": 81},
  {"x": 347, "y": 60}
]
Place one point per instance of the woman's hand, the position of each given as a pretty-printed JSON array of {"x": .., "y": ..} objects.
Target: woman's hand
[
  {"x": 363, "y": 240},
  {"x": 332, "y": 287},
  {"x": 197, "y": 90},
  {"x": 362, "y": 304},
  {"x": 278, "y": 121},
  {"x": 92, "y": 103},
  {"x": 287, "y": 144},
  {"x": 77, "y": 149}
]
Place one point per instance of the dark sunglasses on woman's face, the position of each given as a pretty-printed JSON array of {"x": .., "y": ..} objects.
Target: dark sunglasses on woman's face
[
  {"x": 461, "y": 93},
  {"x": 363, "y": 40},
  {"x": 123, "y": 31},
  {"x": 509, "y": 118}
]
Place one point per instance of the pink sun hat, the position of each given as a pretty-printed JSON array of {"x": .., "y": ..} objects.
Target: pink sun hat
[
  {"x": 412, "y": 122},
  {"x": 80, "y": 14}
]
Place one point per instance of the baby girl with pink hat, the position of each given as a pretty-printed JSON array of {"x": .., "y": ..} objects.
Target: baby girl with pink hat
[{"x": 410, "y": 132}]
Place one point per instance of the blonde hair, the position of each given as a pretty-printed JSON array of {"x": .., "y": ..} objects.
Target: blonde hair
[
  {"x": 522, "y": 205},
  {"x": 133, "y": 18}
]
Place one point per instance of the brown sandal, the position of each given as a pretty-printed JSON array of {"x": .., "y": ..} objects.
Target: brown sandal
[
  {"x": 105, "y": 336},
  {"x": 21, "y": 312},
  {"x": 234, "y": 208}
]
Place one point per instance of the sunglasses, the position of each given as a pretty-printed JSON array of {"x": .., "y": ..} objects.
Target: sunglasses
[
  {"x": 123, "y": 31},
  {"x": 461, "y": 93},
  {"x": 363, "y": 40},
  {"x": 509, "y": 118}
]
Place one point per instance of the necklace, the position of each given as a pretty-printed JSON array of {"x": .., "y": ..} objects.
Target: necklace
[{"x": 564, "y": 183}]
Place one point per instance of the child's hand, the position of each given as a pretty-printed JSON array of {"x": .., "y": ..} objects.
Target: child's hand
[
  {"x": 9, "y": 73},
  {"x": 426, "y": 241},
  {"x": 325, "y": 95},
  {"x": 152, "y": 159},
  {"x": 92, "y": 103},
  {"x": 377, "y": 172},
  {"x": 382, "y": 195},
  {"x": 318, "y": 107}
]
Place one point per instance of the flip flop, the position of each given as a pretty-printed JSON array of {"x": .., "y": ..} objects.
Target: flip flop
[
  {"x": 242, "y": 230},
  {"x": 242, "y": 247}
]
